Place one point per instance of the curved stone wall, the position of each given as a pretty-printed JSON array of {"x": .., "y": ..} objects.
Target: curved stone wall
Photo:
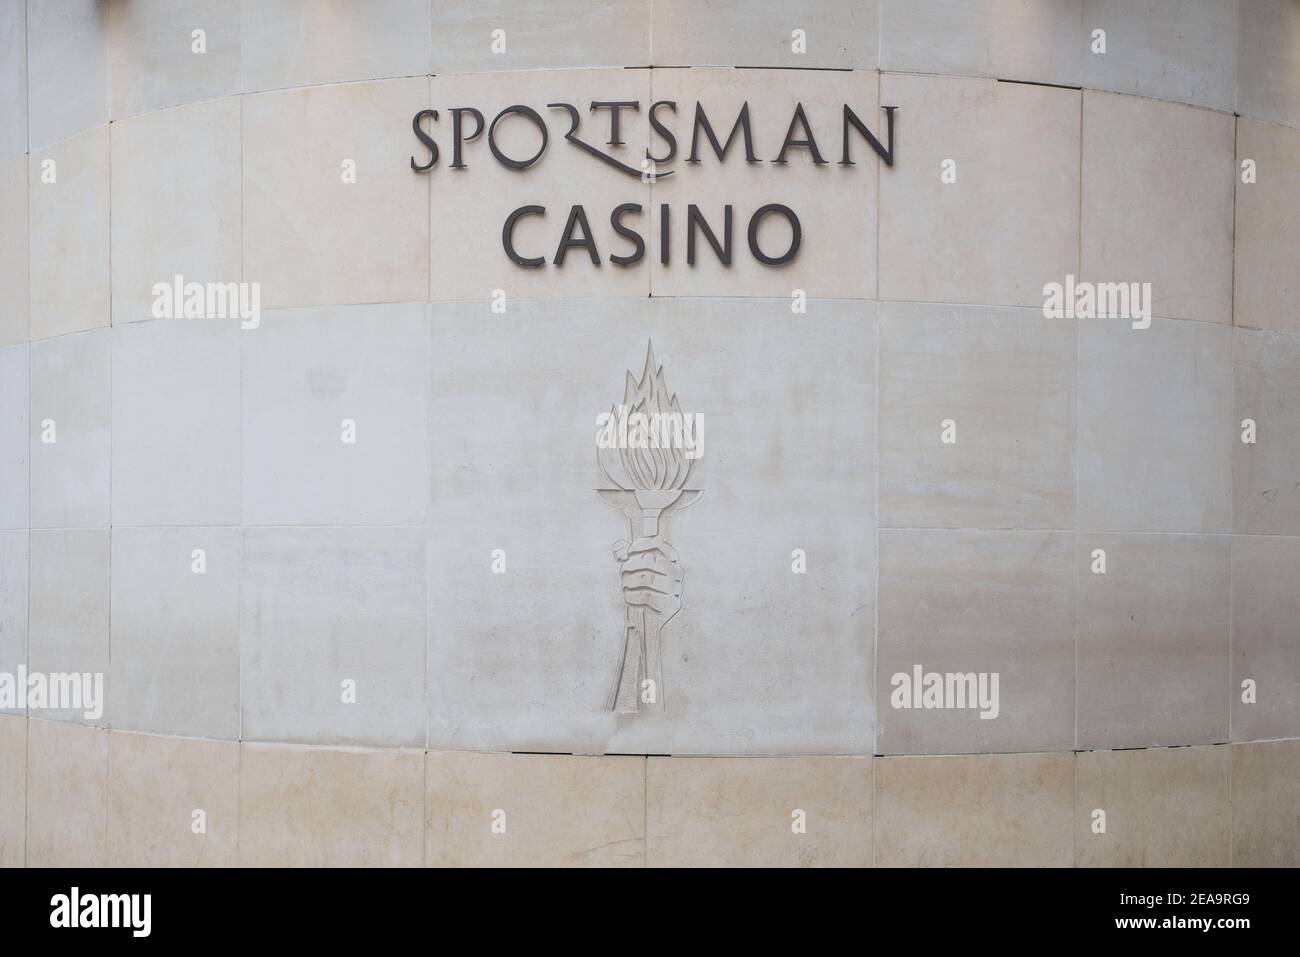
[{"x": 340, "y": 563}]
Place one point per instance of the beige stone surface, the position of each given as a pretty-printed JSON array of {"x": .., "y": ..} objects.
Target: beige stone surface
[
  {"x": 310, "y": 237},
  {"x": 835, "y": 204},
  {"x": 840, "y": 35},
  {"x": 539, "y": 36},
  {"x": 176, "y": 417},
  {"x": 1268, "y": 61},
  {"x": 155, "y": 784},
  {"x": 1037, "y": 41},
  {"x": 309, "y": 807},
  {"x": 1265, "y": 636},
  {"x": 15, "y": 441},
  {"x": 13, "y": 80},
  {"x": 322, "y": 607},
  {"x": 151, "y": 57},
  {"x": 978, "y": 602},
  {"x": 288, "y": 43},
  {"x": 758, "y": 812},
  {"x": 176, "y": 202},
  {"x": 557, "y": 810},
  {"x": 14, "y": 307},
  {"x": 761, "y": 659},
  {"x": 69, "y": 232},
  {"x": 69, "y": 611},
  {"x": 227, "y": 166},
  {"x": 175, "y": 634},
  {"x": 1005, "y": 377},
  {"x": 1266, "y": 804},
  {"x": 1157, "y": 203},
  {"x": 469, "y": 206},
  {"x": 67, "y": 68},
  {"x": 67, "y": 795},
  {"x": 1266, "y": 473},
  {"x": 13, "y": 790},
  {"x": 305, "y": 372},
  {"x": 1182, "y": 50},
  {"x": 71, "y": 380},
  {"x": 986, "y": 810},
  {"x": 13, "y": 606},
  {"x": 1155, "y": 427},
  {"x": 1153, "y": 641},
  {"x": 1266, "y": 282},
  {"x": 1010, "y": 222},
  {"x": 1164, "y": 807}
]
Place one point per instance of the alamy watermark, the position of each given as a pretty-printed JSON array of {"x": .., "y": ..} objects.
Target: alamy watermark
[
  {"x": 179, "y": 299},
  {"x": 57, "y": 691},
  {"x": 946, "y": 691},
  {"x": 625, "y": 429},
  {"x": 1100, "y": 300},
  {"x": 130, "y": 911}
]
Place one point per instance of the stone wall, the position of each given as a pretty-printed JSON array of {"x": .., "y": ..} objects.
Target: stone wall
[{"x": 453, "y": 565}]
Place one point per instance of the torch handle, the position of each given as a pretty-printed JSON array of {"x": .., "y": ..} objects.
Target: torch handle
[
  {"x": 626, "y": 699},
  {"x": 651, "y": 624},
  {"x": 641, "y": 628}
]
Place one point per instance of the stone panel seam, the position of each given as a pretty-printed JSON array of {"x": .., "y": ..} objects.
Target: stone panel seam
[
  {"x": 429, "y": 583},
  {"x": 333, "y": 83},
  {"x": 875, "y": 636},
  {"x": 239, "y": 577},
  {"x": 112, "y": 352},
  {"x": 1231, "y": 505},
  {"x": 1232, "y": 764},
  {"x": 1060, "y": 531},
  {"x": 202, "y": 101},
  {"x": 880, "y": 58},
  {"x": 108, "y": 784},
  {"x": 27, "y": 96},
  {"x": 1074, "y": 762},
  {"x": 1078, "y": 441},
  {"x": 27, "y": 787},
  {"x": 1236, "y": 73},
  {"x": 874, "y": 805},
  {"x": 1232, "y": 401},
  {"x": 239, "y": 585},
  {"x": 239, "y": 796},
  {"x": 683, "y": 756},
  {"x": 424, "y": 786}
]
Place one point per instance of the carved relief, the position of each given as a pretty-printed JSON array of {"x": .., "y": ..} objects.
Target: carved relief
[{"x": 646, "y": 448}]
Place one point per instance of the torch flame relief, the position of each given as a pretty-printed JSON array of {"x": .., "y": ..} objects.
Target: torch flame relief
[{"x": 645, "y": 451}]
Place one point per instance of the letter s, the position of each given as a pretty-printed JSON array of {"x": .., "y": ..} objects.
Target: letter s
[{"x": 426, "y": 139}]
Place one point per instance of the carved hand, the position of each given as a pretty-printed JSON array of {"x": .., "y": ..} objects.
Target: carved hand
[{"x": 652, "y": 578}]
